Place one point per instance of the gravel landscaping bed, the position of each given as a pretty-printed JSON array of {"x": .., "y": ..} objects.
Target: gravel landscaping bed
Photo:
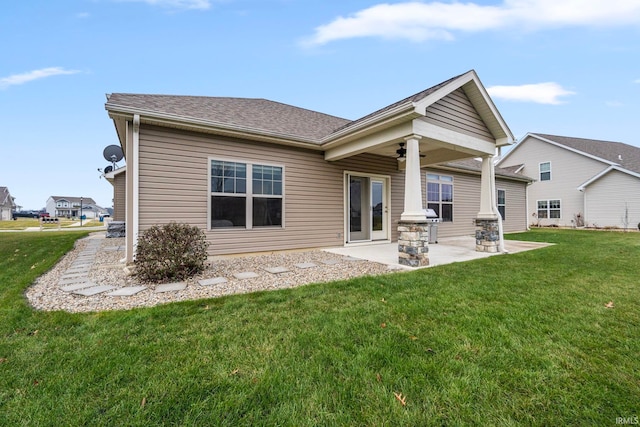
[{"x": 46, "y": 292}]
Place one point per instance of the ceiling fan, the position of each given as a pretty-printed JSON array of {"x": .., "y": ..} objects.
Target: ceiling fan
[{"x": 402, "y": 152}]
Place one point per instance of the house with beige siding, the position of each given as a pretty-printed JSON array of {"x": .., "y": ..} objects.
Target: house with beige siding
[
  {"x": 578, "y": 182},
  {"x": 258, "y": 175}
]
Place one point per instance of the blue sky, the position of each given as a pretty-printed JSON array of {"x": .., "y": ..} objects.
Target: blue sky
[{"x": 565, "y": 67}]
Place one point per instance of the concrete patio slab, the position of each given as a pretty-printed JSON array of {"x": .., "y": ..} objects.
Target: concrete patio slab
[
  {"x": 127, "y": 292},
  {"x": 306, "y": 265},
  {"x": 170, "y": 287},
  {"x": 277, "y": 270},
  {"x": 245, "y": 275},
  {"x": 213, "y": 281},
  {"x": 87, "y": 292},
  {"x": 448, "y": 250}
]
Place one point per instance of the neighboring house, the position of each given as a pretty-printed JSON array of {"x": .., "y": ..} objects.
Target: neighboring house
[
  {"x": 7, "y": 205},
  {"x": 258, "y": 175},
  {"x": 579, "y": 182},
  {"x": 69, "y": 207}
]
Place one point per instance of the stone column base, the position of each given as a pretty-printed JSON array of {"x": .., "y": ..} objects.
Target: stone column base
[
  {"x": 413, "y": 240},
  {"x": 487, "y": 235}
]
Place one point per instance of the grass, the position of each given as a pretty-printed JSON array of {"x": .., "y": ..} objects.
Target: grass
[
  {"x": 507, "y": 340},
  {"x": 24, "y": 223}
]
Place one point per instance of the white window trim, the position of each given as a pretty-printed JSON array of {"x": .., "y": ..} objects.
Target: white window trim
[
  {"x": 498, "y": 190},
  {"x": 248, "y": 195},
  {"x": 549, "y": 208},
  {"x": 540, "y": 172},
  {"x": 453, "y": 193}
]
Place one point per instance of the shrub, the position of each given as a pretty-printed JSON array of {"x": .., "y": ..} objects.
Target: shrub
[{"x": 170, "y": 252}]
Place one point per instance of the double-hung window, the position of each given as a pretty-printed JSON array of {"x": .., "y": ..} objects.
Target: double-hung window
[
  {"x": 440, "y": 196},
  {"x": 246, "y": 195},
  {"x": 549, "y": 209},
  {"x": 502, "y": 204},
  {"x": 545, "y": 171}
]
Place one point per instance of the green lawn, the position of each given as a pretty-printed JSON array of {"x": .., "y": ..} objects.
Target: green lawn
[
  {"x": 523, "y": 339},
  {"x": 24, "y": 223}
]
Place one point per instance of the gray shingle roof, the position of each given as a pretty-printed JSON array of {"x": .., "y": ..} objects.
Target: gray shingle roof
[
  {"x": 255, "y": 113},
  {"x": 627, "y": 156}
]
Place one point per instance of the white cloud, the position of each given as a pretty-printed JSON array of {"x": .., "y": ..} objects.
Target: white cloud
[
  {"x": 637, "y": 81},
  {"x": 614, "y": 104},
  {"x": 540, "y": 93},
  {"x": 82, "y": 15},
  {"x": 177, "y": 4},
  {"x": 420, "y": 21},
  {"x": 18, "y": 79}
]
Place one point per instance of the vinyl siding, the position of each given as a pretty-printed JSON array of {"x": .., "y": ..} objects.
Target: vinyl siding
[
  {"x": 119, "y": 191},
  {"x": 568, "y": 171},
  {"x": 455, "y": 112},
  {"x": 466, "y": 204},
  {"x": 173, "y": 187},
  {"x": 609, "y": 197}
]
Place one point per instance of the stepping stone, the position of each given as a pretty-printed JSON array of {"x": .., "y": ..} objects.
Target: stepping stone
[
  {"x": 277, "y": 270},
  {"x": 213, "y": 281},
  {"x": 87, "y": 292},
  {"x": 76, "y": 286},
  {"x": 73, "y": 280},
  {"x": 331, "y": 261},
  {"x": 127, "y": 292},
  {"x": 306, "y": 265},
  {"x": 170, "y": 287},
  {"x": 112, "y": 248},
  {"x": 245, "y": 275},
  {"x": 82, "y": 263},
  {"x": 350, "y": 258},
  {"x": 74, "y": 276},
  {"x": 78, "y": 269}
]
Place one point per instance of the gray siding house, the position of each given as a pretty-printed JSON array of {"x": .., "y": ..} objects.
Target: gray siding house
[
  {"x": 258, "y": 175},
  {"x": 578, "y": 182},
  {"x": 7, "y": 205}
]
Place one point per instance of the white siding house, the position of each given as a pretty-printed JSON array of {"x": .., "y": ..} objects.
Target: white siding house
[{"x": 578, "y": 181}]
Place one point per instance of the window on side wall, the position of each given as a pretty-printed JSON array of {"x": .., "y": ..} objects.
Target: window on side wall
[
  {"x": 549, "y": 209},
  {"x": 440, "y": 196},
  {"x": 502, "y": 204},
  {"x": 246, "y": 195},
  {"x": 545, "y": 171}
]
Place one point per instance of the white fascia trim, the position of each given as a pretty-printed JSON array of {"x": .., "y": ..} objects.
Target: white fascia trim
[
  {"x": 583, "y": 186},
  {"x": 557, "y": 144},
  {"x": 236, "y": 131},
  {"x": 406, "y": 110},
  {"x": 113, "y": 173}
]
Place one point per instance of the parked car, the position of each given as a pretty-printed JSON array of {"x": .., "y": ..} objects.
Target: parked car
[
  {"x": 25, "y": 214},
  {"x": 44, "y": 215}
]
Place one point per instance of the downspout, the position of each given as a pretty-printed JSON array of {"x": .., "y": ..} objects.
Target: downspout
[{"x": 136, "y": 180}]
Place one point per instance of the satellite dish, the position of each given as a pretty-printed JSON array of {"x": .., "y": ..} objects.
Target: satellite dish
[
  {"x": 113, "y": 153},
  {"x": 108, "y": 169}
]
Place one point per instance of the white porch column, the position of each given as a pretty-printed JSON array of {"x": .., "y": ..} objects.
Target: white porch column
[
  {"x": 412, "y": 183},
  {"x": 487, "y": 189}
]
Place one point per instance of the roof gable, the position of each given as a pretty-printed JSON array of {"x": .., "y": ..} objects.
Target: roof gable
[{"x": 605, "y": 172}]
